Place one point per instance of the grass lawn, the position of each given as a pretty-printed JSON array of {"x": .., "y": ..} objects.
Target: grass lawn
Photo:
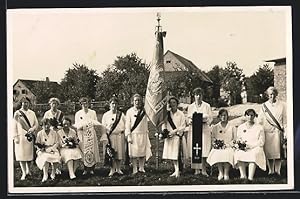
[{"x": 153, "y": 176}]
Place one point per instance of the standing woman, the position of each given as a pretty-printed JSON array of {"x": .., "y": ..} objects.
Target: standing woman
[
  {"x": 54, "y": 112},
  {"x": 85, "y": 122},
  {"x": 252, "y": 154},
  {"x": 114, "y": 121},
  {"x": 47, "y": 153},
  {"x": 25, "y": 123},
  {"x": 199, "y": 106},
  {"x": 69, "y": 149},
  {"x": 273, "y": 118},
  {"x": 136, "y": 132},
  {"x": 175, "y": 143},
  {"x": 222, "y": 154}
]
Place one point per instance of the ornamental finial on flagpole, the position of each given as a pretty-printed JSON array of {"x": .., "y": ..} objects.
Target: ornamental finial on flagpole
[{"x": 158, "y": 21}]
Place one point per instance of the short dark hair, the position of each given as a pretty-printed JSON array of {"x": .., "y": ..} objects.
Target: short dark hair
[
  {"x": 221, "y": 111},
  {"x": 25, "y": 98},
  {"x": 198, "y": 90},
  {"x": 113, "y": 99},
  {"x": 248, "y": 111},
  {"x": 67, "y": 119},
  {"x": 45, "y": 121},
  {"x": 83, "y": 99},
  {"x": 174, "y": 98}
]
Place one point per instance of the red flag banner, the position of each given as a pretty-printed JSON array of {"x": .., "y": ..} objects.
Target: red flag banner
[{"x": 156, "y": 93}]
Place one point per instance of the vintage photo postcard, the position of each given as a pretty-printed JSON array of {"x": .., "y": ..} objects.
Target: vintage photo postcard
[{"x": 150, "y": 99}]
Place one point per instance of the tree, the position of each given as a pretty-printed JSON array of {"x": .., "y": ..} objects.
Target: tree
[
  {"x": 44, "y": 90},
  {"x": 127, "y": 76},
  {"x": 79, "y": 81},
  {"x": 232, "y": 81},
  {"x": 216, "y": 74},
  {"x": 259, "y": 82}
]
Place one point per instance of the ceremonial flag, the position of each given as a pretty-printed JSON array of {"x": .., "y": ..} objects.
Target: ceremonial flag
[{"x": 156, "y": 93}]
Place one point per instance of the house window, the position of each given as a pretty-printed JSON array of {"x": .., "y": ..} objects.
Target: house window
[
  {"x": 24, "y": 91},
  {"x": 168, "y": 61}
]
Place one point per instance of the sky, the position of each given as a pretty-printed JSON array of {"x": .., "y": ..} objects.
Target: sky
[{"x": 46, "y": 42}]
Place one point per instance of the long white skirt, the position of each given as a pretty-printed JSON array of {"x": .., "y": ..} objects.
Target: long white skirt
[
  {"x": 256, "y": 155},
  {"x": 272, "y": 145},
  {"x": 118, "y": 143},
  {"x": 43, "y": 157},
  {"x": 220, "y": 155},
  {"x": 171, "y": 148},
  {"x": 70, "y": 154},
  {"x": 141, "y": 146}
]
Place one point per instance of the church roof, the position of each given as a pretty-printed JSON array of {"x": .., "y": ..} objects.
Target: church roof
[{"x": 191, "y": 66}]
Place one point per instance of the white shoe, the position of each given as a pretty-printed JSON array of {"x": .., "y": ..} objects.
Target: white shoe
[
  {"x": 52, "y": 176},
  {"x": 84, "y": 172},
  {"x": 57, "y": 171},
  {"x": 92, "y": 172},
  {"x": 173, "y": 174},
  {"x": 204, "y": 173},
  {"x": 197, "y": 171},
  {"x": 23, "y": 177},
  {"x": 111, "y": 173},
  {"x": 226, "y": 177},
  {"x": 120, "y": 172},
  {"x": 72, "y": 177},
  {"x": 220, "y": 177},
  {"x": 45, "y": 178},
  {"x": 142, "y": 170}
]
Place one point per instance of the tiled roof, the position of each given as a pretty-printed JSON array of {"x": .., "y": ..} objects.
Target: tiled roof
[{"x": 191, "y": 66}]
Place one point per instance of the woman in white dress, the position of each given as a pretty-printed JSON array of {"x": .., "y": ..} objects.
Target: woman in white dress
[
  {"x": 47, "y": 153},
  {"x": 253, "y": 155},
  {"x": 70, "y": 152},
  {"x": 86, "y": 121},
  {"x": 199, "y": 106},
  {"x": 54, "y": 114},
  {"x": 175, "y": 136},
  {"x": 139, "y": 146},
  {"x": 114, "y": 121},
  {"x": 222, "y": 155},
  {"x": 24, "y": 123},
  {"x": 274, "y": 129}
]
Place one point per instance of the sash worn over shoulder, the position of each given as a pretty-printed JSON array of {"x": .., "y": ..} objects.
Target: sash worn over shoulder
[
  {"x": 23, "y": 120},
  {"x": 109, "y": 151},
  {"x": 138, "y": 119},
  {"x": 180, "y": 155},
  {"x": 275, "y": 123}
]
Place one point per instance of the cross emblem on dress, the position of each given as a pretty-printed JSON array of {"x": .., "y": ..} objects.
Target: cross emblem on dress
[{"x": 197, "y": 148}]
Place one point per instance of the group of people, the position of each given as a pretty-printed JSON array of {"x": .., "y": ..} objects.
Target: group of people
[{"x": 254, "y": 143}]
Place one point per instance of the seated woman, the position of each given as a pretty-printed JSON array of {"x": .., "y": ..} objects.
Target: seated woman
[
  {"x": 249, "y": 146},
  {"x": 70, "y": 152},
  {"x": 175, "y": 142},
  {"x": 47, "y": 153},
  {"x": 222, "y": 153}
]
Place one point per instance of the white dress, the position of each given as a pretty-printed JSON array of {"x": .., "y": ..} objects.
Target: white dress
[
  {"x": 206, "y": 130},
  {"x": 23, "y": 150},
  {"x": 50, "y": 154},
  {"x": 67, "y": 153},
  {"x": 117, "y": 137},
  {"x": 83, "y": 120},
  {"x": 58, "y": 115},
  {"x": 255, "y": 138},
  {"x": 140, "y": 146},
  {"x": 171, "y": 145},
  {"x": 222, "y": 155},
  {"x": 272, "y": 143}
]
